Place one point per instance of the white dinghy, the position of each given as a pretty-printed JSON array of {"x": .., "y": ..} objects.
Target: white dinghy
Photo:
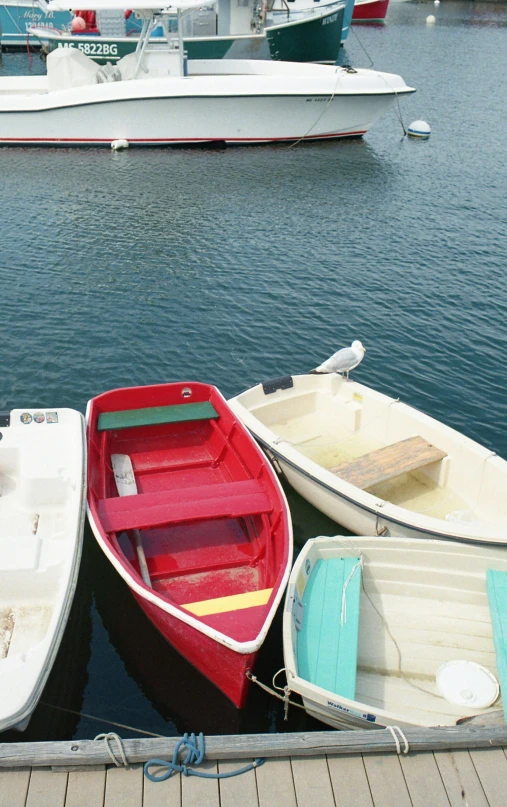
[
  {"x": 397, "y": 632},
  {"x": 157, "y": 97},
  {"x": 375, "y": 465},
  {"x": 42, "y": 511}
]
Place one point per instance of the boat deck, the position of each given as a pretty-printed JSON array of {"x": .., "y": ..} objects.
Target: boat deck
[{"x": 472, "y": 777}]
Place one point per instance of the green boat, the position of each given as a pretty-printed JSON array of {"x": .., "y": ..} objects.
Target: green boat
[{"x": 246, "y": 31}]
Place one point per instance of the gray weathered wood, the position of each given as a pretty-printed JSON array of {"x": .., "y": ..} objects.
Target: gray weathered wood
[
  {"x": 91, "y": 752},
  {"x": 312, "y": 782},
  {"x": 491, "y": 767},
  {"x": 198, "y": 792},
  {"x": 462, "y": 785},
  {"x": 388, "y": 462},
  {"x": 275, "y": 785},
  {"x": 47, "y": 789},
  {"x": 387, "y": 783},
  {"x": 238, "y": 790},
  {"x": 86, "y": 788},
  {"x": 124, "y": 786},
  {"x": 14, "y": 787},
  {"x": 423, "y": 780},
  {"x": 349, "y": 781}
]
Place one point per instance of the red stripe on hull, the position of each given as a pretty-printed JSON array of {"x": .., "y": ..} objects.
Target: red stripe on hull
[
  {"x": 83, "y": 141},
  {"x": 225, "y": 668}
]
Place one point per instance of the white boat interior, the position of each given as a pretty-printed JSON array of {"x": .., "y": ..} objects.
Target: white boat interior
[
  {"x": 42, "y": 499},
  {"x": 339, "y": 431},
  {"x": 423, "y": 604}
]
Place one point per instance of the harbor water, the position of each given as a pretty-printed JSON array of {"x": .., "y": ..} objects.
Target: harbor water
[{"x": 237, "y": 265}]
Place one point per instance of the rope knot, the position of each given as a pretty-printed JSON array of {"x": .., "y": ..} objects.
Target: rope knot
[
  {"x": 108, "y": 738},
  {"x": 393, "y": 730}
]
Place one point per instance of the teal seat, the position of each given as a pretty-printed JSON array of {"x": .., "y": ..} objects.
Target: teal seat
[
  {"x": 156, "y": 415},
  {"x": 496, "y": 586},
  {"x": 327, "y": 650}
]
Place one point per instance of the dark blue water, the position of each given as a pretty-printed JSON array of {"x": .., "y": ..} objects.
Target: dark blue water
[{"x": 239, "y": 265}]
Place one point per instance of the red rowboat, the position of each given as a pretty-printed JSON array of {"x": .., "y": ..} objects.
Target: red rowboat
[
  {"x": 370, "y": 10},
  {"x": 190, "y": 513}
]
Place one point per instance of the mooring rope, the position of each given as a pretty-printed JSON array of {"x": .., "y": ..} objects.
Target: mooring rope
[
  {"x": 108, "y": 738},
  {"x": 286, "y": 692},
  {"x": 195, "y": 756},
  {"x": 393, "y": 730},
  {"x": 103, "y": 720}
]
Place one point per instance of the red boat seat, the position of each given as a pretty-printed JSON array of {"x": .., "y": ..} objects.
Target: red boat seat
[
  {"x": 156, "y": 415},
  {"x": 147, "y": 510}
]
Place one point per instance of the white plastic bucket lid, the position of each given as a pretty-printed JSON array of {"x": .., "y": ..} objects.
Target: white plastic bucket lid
[{"x": 467, "y": 684}]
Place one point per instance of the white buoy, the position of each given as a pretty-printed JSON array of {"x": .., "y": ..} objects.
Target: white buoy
[
  {"x": 436, "y": 2},
  {"x": 119, "y": 144},
  {"x": 430, "y": 20},
  {"x": 419, "y": 128}
]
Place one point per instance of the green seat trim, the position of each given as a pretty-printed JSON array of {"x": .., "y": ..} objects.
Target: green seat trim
[
  {"x": 155, "y": 415},
  {"x": 327, "y": 650},
  {"x": 496, "y": 586}
]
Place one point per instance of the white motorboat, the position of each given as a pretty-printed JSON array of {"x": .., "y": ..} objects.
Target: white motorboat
[
  {"x": 42, "y": 511},
  {"x": 156, "y": 96},
  {"x": 374, "y": 464},
  {"x": 399, "y": 632}
]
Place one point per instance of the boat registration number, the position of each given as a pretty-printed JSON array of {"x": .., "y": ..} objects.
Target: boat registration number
[{"x": 93, "y": 48}]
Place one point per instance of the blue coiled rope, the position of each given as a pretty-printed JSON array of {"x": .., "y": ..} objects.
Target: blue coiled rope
[{"x": 194, "y": 757}]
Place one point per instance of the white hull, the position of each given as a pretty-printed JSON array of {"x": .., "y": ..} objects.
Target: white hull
[
  {"x": 255, "y": 102},
  {"x": 422, "y": 604},
  {"x": 43, "y": 487},
  {"x": 325, "y": 419}
]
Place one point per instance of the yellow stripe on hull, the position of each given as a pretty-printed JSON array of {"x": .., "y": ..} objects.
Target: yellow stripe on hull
[{"x": 236, "y": 602}]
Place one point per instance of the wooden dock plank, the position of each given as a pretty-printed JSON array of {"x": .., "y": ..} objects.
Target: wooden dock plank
[
  {"x": 460, "y": 779},
  {"x": 124, "y": 786},
  {"x": 275, "y": 785},
  {"x": 312, "y": 782},
  {"x": 388, "y": 462},
  {"x": 14, "y": 787},
  {"x": 162, "y": 794},
  {"x": 422, "y": 777},
  {"x": 86, "y": 789},
  {"x": 198, "y": 792},
  {"x": 386, "y": 780},
  {"x": 238, "y": 790},
  {"x": 246, "y": 746},
  {"x": 491, "y": 767},
  {"x": 47, "y": 789},
  {"x": 349, "y": 781}
]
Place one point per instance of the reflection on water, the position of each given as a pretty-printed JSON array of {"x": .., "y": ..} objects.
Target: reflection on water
[{"x": 240, "y": 265}]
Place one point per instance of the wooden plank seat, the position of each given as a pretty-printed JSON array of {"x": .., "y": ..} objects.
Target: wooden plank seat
[
  {"x": 388, "y": 462},
  {"x": 326, "y": 649},
  {"x": 233, "y": 602},
  {"x": 145, "y": 510},
  {"x": 156, "y": 415},
  {"x": 496, "y": 587}
]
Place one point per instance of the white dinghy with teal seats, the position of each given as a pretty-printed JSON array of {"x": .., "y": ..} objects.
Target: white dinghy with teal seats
[
  {"x": 42, "y": 513},
  {"x": 400, "y": 632}
]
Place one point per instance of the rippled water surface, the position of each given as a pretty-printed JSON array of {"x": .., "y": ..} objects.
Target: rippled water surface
[{"x": 238, "y": 265}]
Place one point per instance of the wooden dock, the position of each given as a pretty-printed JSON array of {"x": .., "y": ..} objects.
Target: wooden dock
[{"x": 324, "y": 769}]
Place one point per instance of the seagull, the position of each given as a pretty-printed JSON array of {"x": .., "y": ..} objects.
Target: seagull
[{"x": 343, "y": 361}]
